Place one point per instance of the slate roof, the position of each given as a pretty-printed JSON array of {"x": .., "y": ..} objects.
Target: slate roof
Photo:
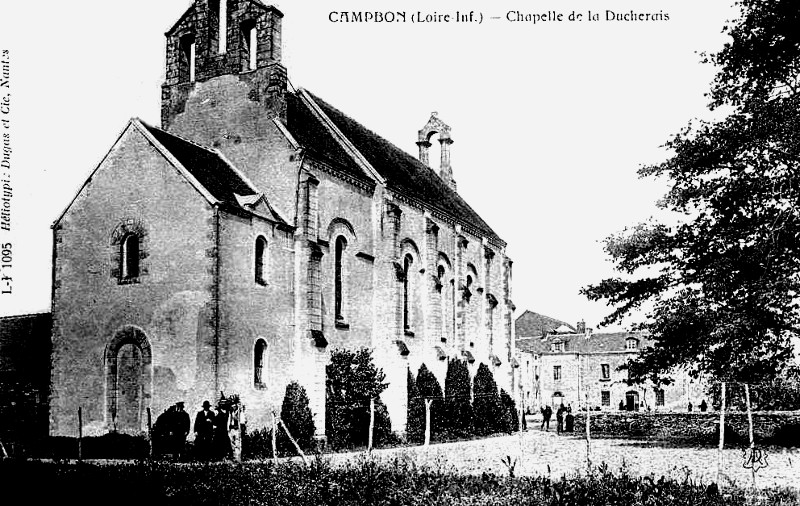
[
  {"x": 580, "y": 343},
  {"x": 403, "y": 172},
  {"x": 530, "y": 324},
  {"x": 25, "y": 347},
  {"x": 310, "y": 133},
  {"x": 221, "y": 180}
]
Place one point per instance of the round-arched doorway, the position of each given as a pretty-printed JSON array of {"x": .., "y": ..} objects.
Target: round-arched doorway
[{"x": 129, "y": 378}]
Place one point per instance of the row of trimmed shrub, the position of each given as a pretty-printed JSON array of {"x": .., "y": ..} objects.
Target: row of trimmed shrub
[
  {"x": 362, "y": 483},
  {"x": 466, "y": 408}
]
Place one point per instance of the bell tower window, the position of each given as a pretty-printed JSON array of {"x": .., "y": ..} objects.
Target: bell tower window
[
  {"x": 187, "y": 50},
  {"x": 250, "y": 46}
]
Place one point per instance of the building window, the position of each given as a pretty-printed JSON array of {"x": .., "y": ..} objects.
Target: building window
[
  {"x": 250, "y": 45},
  {"x": 259, "y": 358},
  {"x": 129, "y": 257},
  {"x": 188, "y": 52},
  {"x": 605, "y": 398},
  {"x": 631, "y": 344},
  {"x": 558, "y": 347},
  {"x": 659, "y": 397},
  {"x": 605, "y": 371},
  {"x": 407, "y": 262},
  {"x": 338, "y": 276},
  {"x": 556, "y": 372},
  {"x": 262, "y": 262}
]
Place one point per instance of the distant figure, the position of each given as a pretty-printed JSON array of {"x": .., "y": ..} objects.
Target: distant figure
[
  {"x": 703, "y": 406},
  {"x": 621, "y": 406},
  {"x": 569, "y": 420},
  {"x": 560, "y": 419},
  {"x": 204, "y": 431},
  {"x": 546, "y": 414},
  {"x": 690, "y": 407},
  {"x": 180, "y": 426}
]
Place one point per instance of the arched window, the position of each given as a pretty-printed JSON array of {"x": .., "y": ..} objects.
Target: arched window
[
  {"x": 262, "y": 262},
  {"x": 338, "y": 276},
  {"x": 129, "y": 257},
  {"x": 407, "y": 261},
  {"x": 259, "y": 358}
]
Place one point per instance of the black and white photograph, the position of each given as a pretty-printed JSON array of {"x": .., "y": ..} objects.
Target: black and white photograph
[{"x": 400, "y": 253}]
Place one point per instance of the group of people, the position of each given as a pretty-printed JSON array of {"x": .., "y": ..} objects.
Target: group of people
[
  {"x": 217, "y": 432},
  {"x": 565, "y": 421}
]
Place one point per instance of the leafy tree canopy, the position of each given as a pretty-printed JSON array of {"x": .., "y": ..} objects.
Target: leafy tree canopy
[{"x": 723, "y": 283}]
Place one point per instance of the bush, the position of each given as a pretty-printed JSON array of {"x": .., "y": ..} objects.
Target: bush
[
  {"x": 429, "y": 388},
  {"x": 458, "y": 415},
  {"x": 296, "y": 414},
  {"x": 352, "y": 380},
  {"x": 415, "y": 413},
  {"x": 488, "y": 411},
  {"x": 786, "y": 435},
  {"x": 511, "y": 417},
  {"x": 257, "y": 445}
]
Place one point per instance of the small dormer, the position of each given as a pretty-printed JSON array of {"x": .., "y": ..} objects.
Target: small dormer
[{"x": 631, "y": 344}]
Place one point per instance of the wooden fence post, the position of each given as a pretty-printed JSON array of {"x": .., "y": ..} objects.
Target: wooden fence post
[
  {"x": 750, "y": 428},
  {"x": 274, "y": 435},
  {"x": 588, "y": 434},
  {"x": 720, "y": 463},
  {"x": 80, "y": 434},
  {"x": 296, "y": 446},
  {"x": 371, "y": 423},
  {"x": 428, "y": 421},
  {"x": 150, "y": 432}
]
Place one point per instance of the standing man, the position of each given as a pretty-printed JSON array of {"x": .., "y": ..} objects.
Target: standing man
[
  {"x": 204, "y": 431},
  {"x": 181, "y": 424},
  {"x": 560, "y": 419}
]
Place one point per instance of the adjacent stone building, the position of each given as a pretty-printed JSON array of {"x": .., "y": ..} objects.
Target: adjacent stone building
[
  {"x": 580, "y": 368},
  {"x": 259, "y": 228}
]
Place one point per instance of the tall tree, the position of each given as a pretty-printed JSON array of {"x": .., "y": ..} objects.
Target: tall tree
[{"x": 724, "y": 281}]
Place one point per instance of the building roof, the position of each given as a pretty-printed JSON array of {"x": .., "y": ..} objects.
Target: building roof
[
  {"x": 317, "y": 140},
  {"x": 402, "y": 172},
  {"x": 530, "y": 324},
  {"x": 582, "y": 343},
  {"x": 216, "y": 175},
  {"x": 25, "y": 347}
]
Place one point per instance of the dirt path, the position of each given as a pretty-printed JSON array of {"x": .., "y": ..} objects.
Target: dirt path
[{"x": 542, "y": 453}]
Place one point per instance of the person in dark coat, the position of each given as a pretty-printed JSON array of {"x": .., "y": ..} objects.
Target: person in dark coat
[
  {"x": 560, "y": 419},
  {"x": 161, "y": 432},
  {"x": 222, "y": 442},
  {"x": 703, "y": 406},
  {"x": 569, "y": 420},
  {"x": 546, "y": 414},
  {"x": 204, "y": 431},
  {"x": 621, "y": 406},
  {"x": 180, "y": 427}
]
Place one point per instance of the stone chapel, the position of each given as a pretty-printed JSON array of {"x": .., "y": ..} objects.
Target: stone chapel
[{"x": 252, "y": 233}]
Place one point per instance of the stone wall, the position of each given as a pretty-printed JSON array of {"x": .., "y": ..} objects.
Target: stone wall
[{"x": 688, "y": 427}]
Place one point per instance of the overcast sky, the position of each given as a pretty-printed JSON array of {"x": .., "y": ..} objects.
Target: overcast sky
[{"x": 551, "y": 120}]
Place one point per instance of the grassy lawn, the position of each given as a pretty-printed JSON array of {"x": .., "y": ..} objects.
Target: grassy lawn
[{"x": 361, "y": 482}]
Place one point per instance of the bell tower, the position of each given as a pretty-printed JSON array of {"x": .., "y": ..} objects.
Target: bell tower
[
  {"x": 432, "y": 127},
  {"x": 237, "y": 42}
]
